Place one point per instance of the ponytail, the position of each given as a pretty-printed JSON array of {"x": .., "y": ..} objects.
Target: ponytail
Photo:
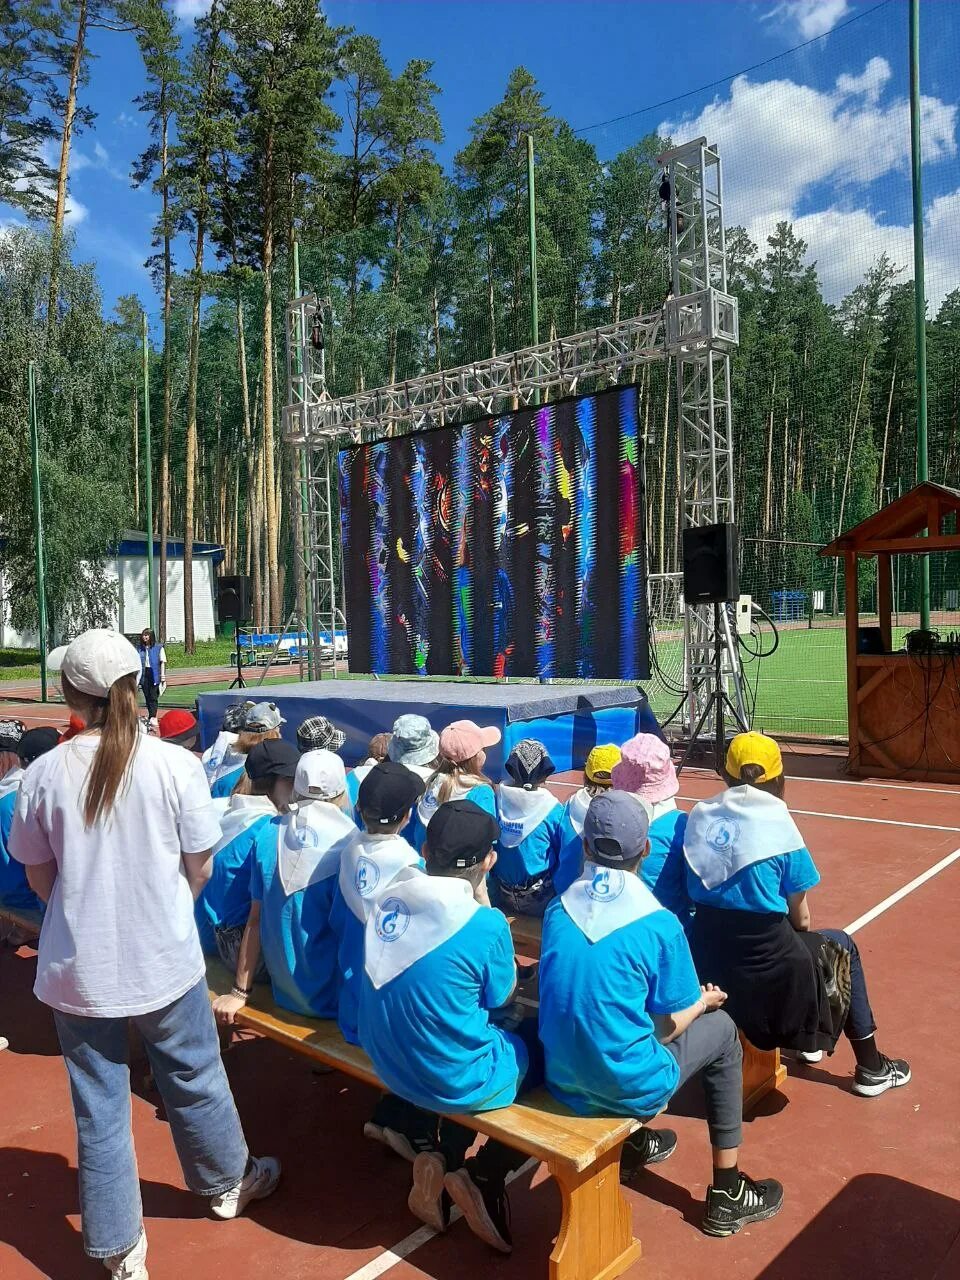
[{"x": 117, "y": 718}]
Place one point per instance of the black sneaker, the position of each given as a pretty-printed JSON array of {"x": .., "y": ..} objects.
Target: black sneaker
[
  {"x": 648, "y": 1146},
  {"x": 892, "y": 1074},
  {"x": 484, "y": 1205},
  {"x": 427, "y": 1199},
  {"x": 726, "y": 1212}
]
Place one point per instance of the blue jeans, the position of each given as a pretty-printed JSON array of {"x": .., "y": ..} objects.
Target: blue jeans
[
  {"x": 859, "y": 1024},
  {"x": 184, "y": 1052}
]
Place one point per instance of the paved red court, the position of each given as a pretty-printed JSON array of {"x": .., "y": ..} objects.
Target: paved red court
[{"x": 872, "y": 1186}]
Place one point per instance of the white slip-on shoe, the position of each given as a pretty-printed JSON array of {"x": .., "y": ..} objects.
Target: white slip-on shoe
[{"x": 259, "y": 1182}]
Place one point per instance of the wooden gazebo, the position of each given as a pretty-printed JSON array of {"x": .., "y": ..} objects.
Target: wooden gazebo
[{"x": 903, "y": 707}]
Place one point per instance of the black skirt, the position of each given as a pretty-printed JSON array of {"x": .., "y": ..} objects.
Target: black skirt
[{"x": 787, "y": 990}]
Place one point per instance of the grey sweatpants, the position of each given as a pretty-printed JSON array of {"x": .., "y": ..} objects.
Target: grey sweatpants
[{"x": 710, "y": 1047}]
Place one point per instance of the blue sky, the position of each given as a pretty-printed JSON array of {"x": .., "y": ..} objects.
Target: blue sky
[{"x": 820, "y": 135}]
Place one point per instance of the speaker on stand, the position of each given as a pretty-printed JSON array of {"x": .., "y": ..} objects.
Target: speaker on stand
[{"x": 235, "y": 604}]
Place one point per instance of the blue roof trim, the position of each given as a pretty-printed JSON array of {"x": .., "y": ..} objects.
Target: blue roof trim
[{"x": 138, "y": 547}]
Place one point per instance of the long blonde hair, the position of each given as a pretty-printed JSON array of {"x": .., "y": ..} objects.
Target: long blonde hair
[
  {"x": 117, "y": 718},
  {"x": 453, "y": 775},
  {"x": 247, "y": 740}
]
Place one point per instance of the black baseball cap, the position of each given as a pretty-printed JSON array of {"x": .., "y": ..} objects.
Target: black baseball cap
[
  {"x": 388, "y": 792},
  {"x": 36, "y": 743},
  {"x": 272, "y": 759},
  {"x": 461, "y": 834}
]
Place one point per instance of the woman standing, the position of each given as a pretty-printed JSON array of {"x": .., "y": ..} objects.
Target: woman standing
[
  {"x": 153, "y": 671},
  {"x": 115, "y": 829}
]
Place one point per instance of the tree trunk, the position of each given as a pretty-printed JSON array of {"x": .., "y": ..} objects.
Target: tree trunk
[
  {"x": 66, "y": 137},
  {"x": 190, "y": 463},
  {"x": 167, "y": 381},
  {"x": 438, "y": 358},
  {"x": 395, "y": 286},
  {"x": 272, "y": 547},
  {"x": 768, "y": 482}
]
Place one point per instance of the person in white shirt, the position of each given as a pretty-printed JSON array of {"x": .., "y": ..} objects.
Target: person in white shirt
[{"x": 115, "y": 829}]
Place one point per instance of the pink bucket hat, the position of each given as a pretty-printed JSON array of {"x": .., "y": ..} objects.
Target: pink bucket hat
[
  {"x": 462, "y": 740},
  {"x": 646, "y": 769}
]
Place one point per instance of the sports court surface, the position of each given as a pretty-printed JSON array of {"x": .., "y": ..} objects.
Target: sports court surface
[{"x": 872, "y": 1186}]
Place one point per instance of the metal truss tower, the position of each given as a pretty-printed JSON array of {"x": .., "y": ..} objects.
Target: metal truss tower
[{"x": 702, "y": 328}]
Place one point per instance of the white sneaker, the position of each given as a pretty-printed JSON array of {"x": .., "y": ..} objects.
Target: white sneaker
[
  {"x": 259, "y": 1183},
  {"x": 130, "y": 1265},
  {"x": 810, "y": 1058}
]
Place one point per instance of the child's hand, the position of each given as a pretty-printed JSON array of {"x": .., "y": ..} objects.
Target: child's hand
[
  {"x": 226, "y": 1008},
  {"x": 712, "y": 997}
]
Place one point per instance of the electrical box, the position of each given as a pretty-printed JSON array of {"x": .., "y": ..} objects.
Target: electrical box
[{"x": 744, "y": 615}]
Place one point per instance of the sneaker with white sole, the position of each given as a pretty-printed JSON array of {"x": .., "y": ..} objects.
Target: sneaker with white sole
[
  {"x": 131, "y": 1265},
  {"x": 727, "y": 1211},
  {"x": 427, "y": 1199},
  {"x": 258, "y": 1182},
  {"x": 407, "y": 1146},
  {"x": 893, "y": 1073},
  {"x": 484, "y": 1205},
  {"x": 811, "y": 1058},
  {"x": 646, "y": 1147}
]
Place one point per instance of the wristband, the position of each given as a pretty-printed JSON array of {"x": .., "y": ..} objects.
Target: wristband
[{"x": 240, "y": 993}]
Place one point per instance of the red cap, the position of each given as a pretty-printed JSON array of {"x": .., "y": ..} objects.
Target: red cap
[{"x": 177, "y": 724}]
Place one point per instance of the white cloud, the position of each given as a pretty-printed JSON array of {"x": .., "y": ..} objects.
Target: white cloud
[
  {"x": 812, "y": 18},
  {"x": 871, "y": 83},
  {"x": 188, "y": 10}
]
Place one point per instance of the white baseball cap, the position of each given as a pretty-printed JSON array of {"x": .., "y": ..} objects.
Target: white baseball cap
[
  {"x": 97, "y": 659},
  {"x": 320, "y": 775}
]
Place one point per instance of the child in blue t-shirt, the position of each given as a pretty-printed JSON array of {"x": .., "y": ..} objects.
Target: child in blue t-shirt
[
  {"x": 457, "y": 775},
  {"x": 530, "y": 820},
  {"x": 597, "y": 777},
  {"x": 622, "y": 1014},
  {"x": 15, "y": 892},
  {"x": 646, "y": 771},
  {"x": 223, "y": 907},
  {"x": 748, "y": 875},
  {"x": 437, "y": 1020},
  {"x": 261, "y": 723},
  {"x": 293, "y": 878}
]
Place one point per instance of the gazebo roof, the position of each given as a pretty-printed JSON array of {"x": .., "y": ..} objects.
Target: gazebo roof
[{"x": 897, "y": 528}]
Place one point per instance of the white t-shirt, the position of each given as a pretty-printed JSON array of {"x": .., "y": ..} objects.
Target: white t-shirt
[{"x": 118, "y": 937}]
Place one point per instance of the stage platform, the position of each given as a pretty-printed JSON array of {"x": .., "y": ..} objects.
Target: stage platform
[{"x": 569, "y": 719}]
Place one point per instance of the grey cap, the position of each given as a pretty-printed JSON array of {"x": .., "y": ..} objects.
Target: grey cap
[
  {"x": 413, "y": 741},
  {"x": 616, "y": 826},
  {"x": 262, "y": 717}
]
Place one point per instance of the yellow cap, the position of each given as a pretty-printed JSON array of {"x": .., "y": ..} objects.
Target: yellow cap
[
  {"x": 754, "y": 748},
  {"x": 600, "y": 764}
]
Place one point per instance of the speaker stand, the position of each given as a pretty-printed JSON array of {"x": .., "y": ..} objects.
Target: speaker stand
[
  {"x": 238, "y": 681},
  {"x": 719, "y": 703}
]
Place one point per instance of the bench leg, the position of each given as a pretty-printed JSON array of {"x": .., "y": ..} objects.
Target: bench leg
[
  {"x": 762, "y": 1073},
  {"x": 596, "y": 1236}
]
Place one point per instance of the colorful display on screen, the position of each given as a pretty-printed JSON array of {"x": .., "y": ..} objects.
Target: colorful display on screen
[{"x": 511, "y": 546}]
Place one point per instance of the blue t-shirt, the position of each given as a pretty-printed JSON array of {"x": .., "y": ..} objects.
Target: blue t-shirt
[
  {"x": 597, "y": 1003},
  {"x": 225, "y": 900},
  {"x": 428, "y": 1030},
  {"x": 299, "y": 946},
  {"x": 15, "y": 892},
  {"x": 536, "y": 854},
  {"x": 222, "y": 789},
  {"x": 353, "y": 791},
  {"x": 763, "y": 886},
  {"x": 664, "y": 870},
  {"x": 415, "y": 832},
  {"x": 569, "y": 853}
]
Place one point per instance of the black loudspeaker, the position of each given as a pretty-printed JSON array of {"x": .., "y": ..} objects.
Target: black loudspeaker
[
  {"x": 869, "y": 640},
  {"x": 233, "y": 600},
  {"x": 711, "y": 564}
]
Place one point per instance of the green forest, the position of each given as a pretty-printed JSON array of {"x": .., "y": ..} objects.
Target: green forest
[{"x": 270, "y": 127}]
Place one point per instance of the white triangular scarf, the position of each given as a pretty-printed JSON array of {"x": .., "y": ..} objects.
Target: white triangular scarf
[
  {"x": 361, "y": 771},
  {"x": 429, "y": 802},
  {"x": 212, "y": 758},
  {"x": 414, "y": 915},
  {"x": 734, "y": 830},
  {"x": 309, "y": 844},
  {"x": 11, "y": 780},
  {"x": 242, "y": 812},
  {"x": 577, "y": 807},
  {"x": 604, "y": 899},
  {"x": 659, "y": 808},
  {"x": 369, "y": 864},
  {"x": 230, "y": 762},
  {"x": 521, "y": 812}
]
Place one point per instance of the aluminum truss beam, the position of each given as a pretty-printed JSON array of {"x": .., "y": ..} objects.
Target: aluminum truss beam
[{"x": 701, "y": 306}]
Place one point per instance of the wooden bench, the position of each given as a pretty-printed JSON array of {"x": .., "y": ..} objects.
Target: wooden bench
[
  {"x": 763, "y": 1072},
  {"x": 596, "y": 1239}
]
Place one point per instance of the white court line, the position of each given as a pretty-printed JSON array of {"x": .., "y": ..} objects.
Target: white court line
[
  {"x": 900, "y": 894},
  {"x": 891, "y": 785},
  {"x": 423, "y": 1235}
]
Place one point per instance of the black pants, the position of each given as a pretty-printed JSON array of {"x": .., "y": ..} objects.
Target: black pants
[{"x": 151, "y": 692}]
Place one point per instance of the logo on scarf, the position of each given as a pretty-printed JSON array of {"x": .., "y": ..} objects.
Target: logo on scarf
[
  {"x": 606, "y": 885},
  {"x": 368, "y": 876},
  {"x": 722, "y": 833},
  {"x": 392, "y": 920},
  {"x": 305, "y": 837}
]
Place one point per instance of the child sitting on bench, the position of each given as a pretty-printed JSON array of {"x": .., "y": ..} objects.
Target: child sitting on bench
[
  {"x": 748, "y": 875},
  {"x": 530, "y": 819},
  {"x": 293, "y": 877},
  {"x": 261, "y": 723},
  {"x": 597, "y": 778},
  {"x": 214, "y": 756},
  {"x": 624, "y": 1021},
  {"x": 439, "y": 978}
]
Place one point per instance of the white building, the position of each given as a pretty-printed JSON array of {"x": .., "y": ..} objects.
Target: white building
[{"x": 127, "y": 567}]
